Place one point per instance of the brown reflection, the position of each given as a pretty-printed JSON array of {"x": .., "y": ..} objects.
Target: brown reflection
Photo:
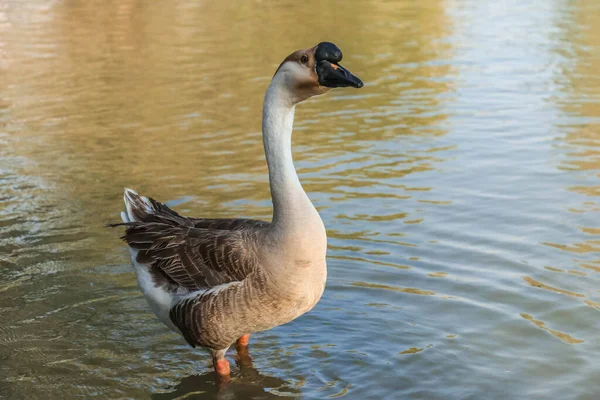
[
  {"x": 553, "y": 269},
  {"x": 412, "y": 350},
  {"x": 375, "y": 218},
  {"x": 245, "y": 383},
  {"x": 591, "y": 246},
  {"x": 580, "y": 101},
  {"x": 438, "y": 274},
  {"x": 439, "y": 202},
  {"x": 594, "y": 304},
  {"x": 249, "y": 384},
  {"x": 341, "y": 393},
  {"x": 541, "y": 285},
  {"x": 561, "y": 335},
  {"x": 591, "y": 231},
  {"x": 590, "y": 266},
  {"x": 394, "y": 288},
  {"x": 368, "y": 261}
]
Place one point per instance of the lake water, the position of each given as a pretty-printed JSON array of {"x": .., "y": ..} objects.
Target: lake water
[{"x": 460, "y": 190}]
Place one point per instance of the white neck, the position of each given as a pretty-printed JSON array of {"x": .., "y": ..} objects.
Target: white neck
[{"x": 293, "y": 213}]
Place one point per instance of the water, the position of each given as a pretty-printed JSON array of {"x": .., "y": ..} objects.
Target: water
[{"x": 459, "y": 189}]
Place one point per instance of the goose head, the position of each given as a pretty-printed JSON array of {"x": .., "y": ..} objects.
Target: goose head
[{"x": 314, "y": 71}]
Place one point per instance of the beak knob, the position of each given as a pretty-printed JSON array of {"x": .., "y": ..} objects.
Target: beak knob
[{"x": 329, "y": 52}]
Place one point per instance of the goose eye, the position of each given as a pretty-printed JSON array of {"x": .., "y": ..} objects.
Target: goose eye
[{"x": 304, "y": 59}]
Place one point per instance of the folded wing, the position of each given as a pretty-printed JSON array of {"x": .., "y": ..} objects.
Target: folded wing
[{"x": 188, "y": 252}]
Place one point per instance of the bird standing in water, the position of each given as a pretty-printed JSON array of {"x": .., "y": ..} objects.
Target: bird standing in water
[{"x": 215, "y": 281}]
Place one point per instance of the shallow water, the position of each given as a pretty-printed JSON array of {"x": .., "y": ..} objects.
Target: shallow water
[{"x": 459, "y": 189}]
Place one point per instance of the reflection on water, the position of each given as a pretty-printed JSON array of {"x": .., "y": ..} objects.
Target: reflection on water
[
  {"x": 562, "y": 336},
  {"x": 248, "y": 383},
  {"x": 459, "y": 188}
]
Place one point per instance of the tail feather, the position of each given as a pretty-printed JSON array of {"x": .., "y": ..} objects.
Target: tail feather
[
  {"x": 141, "y": 209},
  {"x": 140, "y": 214},
  {"x": 137, "y": 207}
]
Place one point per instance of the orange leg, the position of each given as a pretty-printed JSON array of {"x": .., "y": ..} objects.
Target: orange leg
[
  {"x": 222, "y": 367},
  {"x": 220, "y": 363},
  {"x": 242, "y": 341},
  {"x": 243, "y": 357}
]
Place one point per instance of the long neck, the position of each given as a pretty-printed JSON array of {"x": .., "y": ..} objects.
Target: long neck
[{"x": 292, "y": 209}]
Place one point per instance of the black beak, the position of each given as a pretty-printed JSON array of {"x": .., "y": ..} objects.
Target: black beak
[
  {"x": 334, "y": 75},
  {"x": 331, "y": 74}
]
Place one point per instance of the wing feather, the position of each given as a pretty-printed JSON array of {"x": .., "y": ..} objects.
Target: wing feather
[{"x": 192, "y": 253}]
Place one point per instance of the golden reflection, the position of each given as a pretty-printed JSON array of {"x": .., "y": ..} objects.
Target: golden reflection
[
  {"x": 366, "y": 217},
  {"x": 594, "y": 304},
  {"x": 590, "y": 266},
  {"x": 136, "y": 100},
  {"x": 367, "y": 261},
  {"x": 591, "y": 231},
  {"x": 591, "y": 246},
  {"x": 377, "y": 252},
  {"x": 247, "y": 383},
  {"x": 579, "y": 100},
  {"x": 363, "y": 236},
  {"x": 582, "y": 137},
  {"x": 412, "y": 350},
  {"x": 394, "y": 288},
  {"x": 561, "y": 335},
  {"x": 541, "y": 285},
  {"x": 159, "y": 97},
  {"x": 377, "y": 305},
  {"x": 553, "y": 269},
  {"x": 342, "y": 392},
  {"x": 587, "y": 190},
  {"x": 438, "y": 202},
  {"x": 343, "y": 248},
  {"x": 438, "y": 274}
]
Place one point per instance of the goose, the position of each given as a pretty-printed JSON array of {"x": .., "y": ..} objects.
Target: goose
[{"x": 216, "y": 281}]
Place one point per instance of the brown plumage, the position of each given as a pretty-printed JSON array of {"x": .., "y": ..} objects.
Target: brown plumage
[{"x": 192, "y": 253}]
